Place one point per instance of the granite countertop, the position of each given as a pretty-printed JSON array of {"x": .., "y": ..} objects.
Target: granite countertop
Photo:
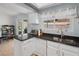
[{"x": 49, "y": 37}]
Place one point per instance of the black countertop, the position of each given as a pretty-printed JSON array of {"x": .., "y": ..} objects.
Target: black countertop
[
  {"x": 50, "y": 37},
  {"x": 64, "y": 39},
  {"x": 20, "y": 39}
]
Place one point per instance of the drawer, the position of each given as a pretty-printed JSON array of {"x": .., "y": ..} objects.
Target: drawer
[
  {"x": 53, "y": 44},
  {"x": 70, "y": 48},
  {"x": 27, "y": 42}
]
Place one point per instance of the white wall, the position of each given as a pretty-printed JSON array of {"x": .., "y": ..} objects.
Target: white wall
[
  {"x": 48, "y": 11},
  {"x": 5, "y": 20}
]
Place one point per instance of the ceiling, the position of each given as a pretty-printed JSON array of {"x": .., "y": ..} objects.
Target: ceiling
[
  {"x": 42, "y": 5},
  {"x": 22, "y": 8},
  {"x": 14, "y": 9}
]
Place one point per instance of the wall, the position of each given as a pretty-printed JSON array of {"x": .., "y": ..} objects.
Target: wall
[
  {"x": 55, "y": 8},
  {"x": 5, "y": 20}
]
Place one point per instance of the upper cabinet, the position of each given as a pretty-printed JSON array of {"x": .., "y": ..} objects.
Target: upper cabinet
[
  {"x": 34, "y": 18},
  {"x": 65, "y": 12}
]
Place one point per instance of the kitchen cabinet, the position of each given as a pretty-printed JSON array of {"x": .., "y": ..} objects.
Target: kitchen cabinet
[
  {"x": 40, "y": 47},
  {"x": 17, "y": 47},
  {"x": 68, "y": 53},
  {"x": 34, "y": 46},
  {"x": 57, "y": 49},
  {"x": 23, "y": 48},
  {"x": 28, "y": 47},
  {"x": 52, "y": 51},
  {"x": 67, "y": 50},
  {"x": 34, "y": 18},
  {"x": 69, "y": 11}
]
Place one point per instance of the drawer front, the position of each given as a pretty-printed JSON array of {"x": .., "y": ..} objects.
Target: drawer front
[
  {"x": 52, "y": 51},
  {"x": 53, "y": 44},
  {"x": 70, "y": 48},
  {"x": 68, "y": 53},
  {"x": 27, "y": 41}
]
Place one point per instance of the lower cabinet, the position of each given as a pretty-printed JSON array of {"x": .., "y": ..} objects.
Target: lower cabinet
[
  {"x": 27, "y": 50},
  {"x": 57, "y": 49},
  {"x": 53, "y": 48},
  {"x": 17, "y": 47},
  {"x": 40, "y": 47},
  {"x": 34, "y": 46},
  {"x": 67, "y": 50},
  {"x": 28, "y": 47},
  {"x": 68, "y": 53},
  {"x": 52, "y": 51}
]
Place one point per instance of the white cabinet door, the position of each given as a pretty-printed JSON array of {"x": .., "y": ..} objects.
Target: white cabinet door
[
  {"x": 27, "y": 50},
  {"x": 17, "y": 47},
  {"x": 40, "y": 47},
  {"x": 68, "y": 53},
  {"x": 53, "y": 48},
  {"x": 28, "y": 47},
  {"x": 52, "y": 51},
  {"x": 67, "y": 50}
]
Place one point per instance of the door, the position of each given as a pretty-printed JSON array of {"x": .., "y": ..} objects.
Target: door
[{"x": 52, "y": 51}]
